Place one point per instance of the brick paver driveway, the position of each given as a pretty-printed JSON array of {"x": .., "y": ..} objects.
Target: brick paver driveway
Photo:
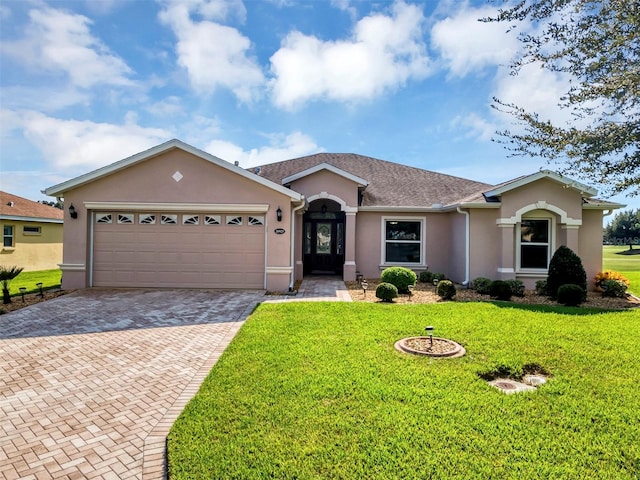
[{"x": 91, "y": 382}]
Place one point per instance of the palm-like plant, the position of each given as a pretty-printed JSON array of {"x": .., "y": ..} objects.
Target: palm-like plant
[{"x": 6, "y": 275}]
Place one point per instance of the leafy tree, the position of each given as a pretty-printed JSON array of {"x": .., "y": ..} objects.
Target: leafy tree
[
  {"x": 57, "y": 204},
  {"x": 596, "y": 42},
  {"x": 6, "y": 275},
  {"x": 624, "y": 226}
]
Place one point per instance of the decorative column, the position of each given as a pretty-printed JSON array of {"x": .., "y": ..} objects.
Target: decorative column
[
  {"x": 506, "y": 268},
  {"x": 349, "y": 271}
]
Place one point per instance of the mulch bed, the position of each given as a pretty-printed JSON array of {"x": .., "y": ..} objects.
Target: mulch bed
[
  {"x": 31, "y": 299},
  {"x": 425, "y": 293}
]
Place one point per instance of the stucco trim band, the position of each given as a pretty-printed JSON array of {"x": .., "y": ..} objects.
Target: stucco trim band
[
  {"x": 278, "y": 270},
  {"x": 539, "y": 205},
  {"x": 72, "y": 267}
]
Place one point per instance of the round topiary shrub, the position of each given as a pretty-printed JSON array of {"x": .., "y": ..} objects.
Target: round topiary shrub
[
  {"x": 482, "y": 285},
  {"x": 570, "y": 295},
  {"x": 566, "y": 267},
  {"x": 386, "y": 292},
  {"x": 517, "y": 287},
  {"x": 426, "y": 277},
  {"x": 500, "y": 289},
  {"x": 401, "y": 277},
  {"x": 446, "y": 289},
  {"x": 614, "y": 288}
]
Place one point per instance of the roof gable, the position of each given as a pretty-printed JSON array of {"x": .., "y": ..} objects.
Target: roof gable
[
  {"x": 583, "y": 189},
  {"x": 325, "y": 166},
  {"x": 58, "y": 190},
  {"x": 14, "y": 207}
]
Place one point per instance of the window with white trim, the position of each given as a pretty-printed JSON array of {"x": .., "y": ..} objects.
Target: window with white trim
[
  {"x": 7, "y": 236},
  {"x": 534, "y": 243},
  {"x": 403, "y": 241},
  {"x": 104, "y": 218},
  {"x": 234, "y": 220},
  {"x": 125, "y": 218},
  {"x": 31, "y": 230}
]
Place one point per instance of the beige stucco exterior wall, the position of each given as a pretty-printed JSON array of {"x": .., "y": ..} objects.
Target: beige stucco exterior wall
[
  {"x": 151, "y": 182},
  {"x": 485, "y": 246},
  {"x": 590, "y": 250},
  {"x": 33, "y": 252},
  {"x": 329, "y": 182}
]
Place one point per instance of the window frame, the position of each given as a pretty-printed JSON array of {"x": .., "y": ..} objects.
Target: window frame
[
  {"x": 37, "y": 230},
  {"x": 12, "y": 236},
  {"x": 551, "y": 235},
  {"x": 422, "y": 241}
]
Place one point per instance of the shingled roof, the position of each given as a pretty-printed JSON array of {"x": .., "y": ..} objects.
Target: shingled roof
[
  {"x": 390, "y": 184},
  {"x": 18, "y": 208}
]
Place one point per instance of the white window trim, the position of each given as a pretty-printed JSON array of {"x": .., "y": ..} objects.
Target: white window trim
[
  {"x": 12, "y": 236},
  {"x": 38, "y": 232},
  {"x": 551, "y": 246},
  {"x": 383, "y": 241}
]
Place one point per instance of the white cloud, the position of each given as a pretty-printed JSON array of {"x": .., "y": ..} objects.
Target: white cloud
[
  {"x": 61, "y": 42},
  {"x": 383, "y": 53},
  {"x": 476, "y": 126},
  {"x": 281, "y": 147},
  {"x": 86, "y": 144},
  {"x": 467, "y": 45},
  {"x": 214, "y": 55}
]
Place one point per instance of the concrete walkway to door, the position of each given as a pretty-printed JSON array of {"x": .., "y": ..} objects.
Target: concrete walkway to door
[{"x": 91, "y": 382}]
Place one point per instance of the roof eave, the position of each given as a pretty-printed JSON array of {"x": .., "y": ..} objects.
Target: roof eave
[
  {"x": 567, "y": 182},
  {"x": 325, "y": 166},
  {"x": 20, "y": 218}
]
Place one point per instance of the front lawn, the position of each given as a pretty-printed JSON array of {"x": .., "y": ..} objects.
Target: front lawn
[
  {"x": 628, "y": 265},
  {"x": 317, "y": 390},
  {"x": 29, "y": 280}
]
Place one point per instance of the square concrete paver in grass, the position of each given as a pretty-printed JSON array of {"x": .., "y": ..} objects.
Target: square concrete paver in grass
[{"x": 91, "y": 382}]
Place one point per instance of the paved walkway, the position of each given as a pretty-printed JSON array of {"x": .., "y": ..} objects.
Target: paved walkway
[
  {"x": 318, "y": 289},
  {"x": 91, "y": 382}
]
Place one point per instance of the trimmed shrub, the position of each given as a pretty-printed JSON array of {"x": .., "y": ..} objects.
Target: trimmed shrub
[
  {"x": 517, "y": 287},
  {"x": 500, "y": 289},
  {"x": 541, "y": 287},
  {"x": 386, "y": 292},
  {"x": 446, "y": 289},
  {"x": 614, "y": 288},
  {"x": 426, "y": 277},
  {"x": 570, "y": 295},
  {"x": 439, "y": 276},
  {"x": 565, "y": 267},
  {"x": 482, "y": 285},
  {"x": 401, "y": 277},
  {"x": 602, "y": 277}
]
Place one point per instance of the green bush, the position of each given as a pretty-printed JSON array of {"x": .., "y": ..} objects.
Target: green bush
[
  {"x": 614, "y": 288},
  {"x": 482, "y": 285},
  {"x": 439, "y": 276},
  {"x": 386, "y": 292},
  {"x": 541, "y": 287},
  {"x": 426, "y": 277},
  {"x": 401, "y": 277},
  {"x": 517, "y": 287},
  {"x": 446, "y": 289},
  {"x": 570, "y": 295},
  {"x": 566, "y": 268},
  {"x": 500, "y": 289}
]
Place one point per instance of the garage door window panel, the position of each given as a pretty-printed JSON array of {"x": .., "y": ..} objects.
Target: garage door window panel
[
  {"x": 212, "y": 220},
  {"x": 146, "y": 219},
  {"x": 232, "y": 220},
  {"x": 256, "y": 220},
  {"x": 125, "y": 218},
  {"x": 168, "y": 219},
  {"x": 190, "y": 219},
  {"x": 104, "y": 218}
]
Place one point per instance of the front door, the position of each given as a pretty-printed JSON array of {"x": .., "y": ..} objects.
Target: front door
[{"x": 324, "y": 243}]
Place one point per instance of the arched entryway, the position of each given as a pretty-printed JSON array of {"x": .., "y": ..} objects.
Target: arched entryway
[{"x": 323, "y": 241}]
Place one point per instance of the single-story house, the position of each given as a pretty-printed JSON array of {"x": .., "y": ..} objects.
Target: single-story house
[
  {"x": 176, "y": 216},
  {"x": 31, "y": 233}
]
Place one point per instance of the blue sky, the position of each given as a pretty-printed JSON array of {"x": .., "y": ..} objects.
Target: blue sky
[{"x": 87, "y": 83}]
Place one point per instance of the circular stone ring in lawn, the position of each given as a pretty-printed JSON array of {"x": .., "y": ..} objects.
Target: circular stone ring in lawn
[{"x": 439, "y": 347}]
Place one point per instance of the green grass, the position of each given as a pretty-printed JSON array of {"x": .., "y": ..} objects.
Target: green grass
[
  {"x": 49, "y": 278},
  {"x": 317, "y": 390},
  {"x": 628, "y": 265}
]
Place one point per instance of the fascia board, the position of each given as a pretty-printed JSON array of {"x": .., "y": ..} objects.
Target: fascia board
[
  {"x": 18, "y": 218},
  {"x": 539, "y": 175}
]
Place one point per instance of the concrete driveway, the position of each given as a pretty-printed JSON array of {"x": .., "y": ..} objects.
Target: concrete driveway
[{"x": 91, "y": 382}]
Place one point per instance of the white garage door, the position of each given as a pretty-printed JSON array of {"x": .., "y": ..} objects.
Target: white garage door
[{"x": 178, "y": 250}]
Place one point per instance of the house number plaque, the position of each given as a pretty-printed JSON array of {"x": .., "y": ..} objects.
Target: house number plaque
[{"x": 279, "y": 231}]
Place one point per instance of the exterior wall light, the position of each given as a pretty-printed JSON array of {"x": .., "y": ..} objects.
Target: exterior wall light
[
  {"x": 72, "y": 211},
  {"x": 279, "y": 214}
]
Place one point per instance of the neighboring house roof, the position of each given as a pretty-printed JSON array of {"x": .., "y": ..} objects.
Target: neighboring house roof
[
  {"x": 13, "y": 207},
  {"x": 389, "y": 184},
  {"x": 58, "y": 190}
]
